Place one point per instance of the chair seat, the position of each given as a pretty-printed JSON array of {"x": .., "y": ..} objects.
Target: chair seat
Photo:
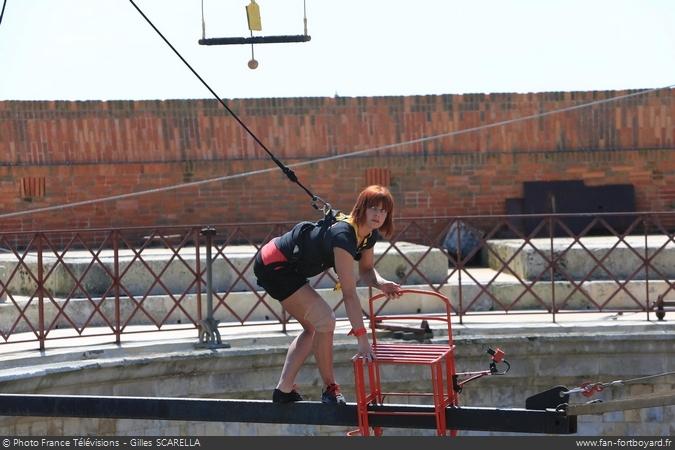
[{"x": 410, "y": 353}]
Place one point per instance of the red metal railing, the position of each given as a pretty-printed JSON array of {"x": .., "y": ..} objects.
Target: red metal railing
[{"x": 61, "y": 284}]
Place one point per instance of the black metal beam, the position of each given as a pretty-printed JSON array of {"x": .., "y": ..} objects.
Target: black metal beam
[
  {"x": 263, "y": 411},
  {"x": 255, "y": 40}
]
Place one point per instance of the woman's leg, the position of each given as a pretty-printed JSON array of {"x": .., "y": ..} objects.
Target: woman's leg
[{"x": 318, "y": 323}]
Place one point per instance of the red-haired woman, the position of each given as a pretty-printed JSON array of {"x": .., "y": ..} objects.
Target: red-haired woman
[{"x": 283, "y": 266}]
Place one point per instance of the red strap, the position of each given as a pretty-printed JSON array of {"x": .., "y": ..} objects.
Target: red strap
[
  {"x": 358, "y": 332},
  {"x": 271, "y": 254}
]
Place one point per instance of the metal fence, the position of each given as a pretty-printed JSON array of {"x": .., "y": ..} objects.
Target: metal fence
[{"x": 61, "y": 284}]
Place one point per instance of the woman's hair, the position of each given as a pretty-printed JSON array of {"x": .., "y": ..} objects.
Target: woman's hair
[{"x": 380, "y": 197}]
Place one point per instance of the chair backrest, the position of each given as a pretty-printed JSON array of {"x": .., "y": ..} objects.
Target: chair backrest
[{"x": 375, "y": 317}]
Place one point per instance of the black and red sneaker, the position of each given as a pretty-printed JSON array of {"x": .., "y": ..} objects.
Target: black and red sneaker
[
  {"x": 279, "y": 396},
  {"x": 332, "y": 395}
]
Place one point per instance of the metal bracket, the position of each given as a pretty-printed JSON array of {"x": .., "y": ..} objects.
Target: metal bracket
[
  {"x": 209, "y": 336},
  {"x": 549, "y": 399}
]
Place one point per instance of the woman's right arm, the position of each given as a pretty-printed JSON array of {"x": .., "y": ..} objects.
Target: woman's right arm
[{"x": 344, "y": 266}]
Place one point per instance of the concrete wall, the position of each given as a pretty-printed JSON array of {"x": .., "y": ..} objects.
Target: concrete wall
[{"x": 540, "y": 359}]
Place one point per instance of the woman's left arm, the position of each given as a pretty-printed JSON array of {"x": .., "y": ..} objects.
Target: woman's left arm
[{"x": 370, "y": 276}]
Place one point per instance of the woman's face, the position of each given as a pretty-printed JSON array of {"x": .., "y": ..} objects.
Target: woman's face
[{"x": 375, "y": 216}]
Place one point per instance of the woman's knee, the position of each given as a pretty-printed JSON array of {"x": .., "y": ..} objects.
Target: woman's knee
[
  {"x": 308, "y": 327},
  {"x": 321, "y": 316}
]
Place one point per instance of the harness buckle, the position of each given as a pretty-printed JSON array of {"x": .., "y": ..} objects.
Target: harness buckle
[{"x": 321, "y": 205}]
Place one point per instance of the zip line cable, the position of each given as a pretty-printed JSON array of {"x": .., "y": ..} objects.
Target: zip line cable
[{"x": 328, "y": 158}]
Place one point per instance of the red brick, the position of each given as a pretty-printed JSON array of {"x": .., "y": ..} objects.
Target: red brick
[{"x": 87, "y": 150}]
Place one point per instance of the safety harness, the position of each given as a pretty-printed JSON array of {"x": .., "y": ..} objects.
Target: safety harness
[{"x": 331, "y": 217}]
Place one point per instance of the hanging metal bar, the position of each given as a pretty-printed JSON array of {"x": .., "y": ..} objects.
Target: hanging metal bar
[{"x": 255, "y": 40}]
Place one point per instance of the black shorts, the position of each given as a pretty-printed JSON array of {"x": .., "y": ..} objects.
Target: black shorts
[{"x": 279, "y": 278}]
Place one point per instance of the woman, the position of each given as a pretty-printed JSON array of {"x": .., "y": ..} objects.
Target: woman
[{"x": 283, "y": 265}]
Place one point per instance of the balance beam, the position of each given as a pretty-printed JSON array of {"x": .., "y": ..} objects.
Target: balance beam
[{"x": 264, "y": 411}]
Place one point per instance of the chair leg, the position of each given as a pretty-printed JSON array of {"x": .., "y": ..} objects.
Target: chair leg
[
  {"x": 375, "y": 389},
  {"x": 361, "y": 405},
  {"x": 449, "y": 371},
  {"x": 453, "y": 397},
  {"x": 375, "y": 385},
  {"x": 439, "y": 398}
]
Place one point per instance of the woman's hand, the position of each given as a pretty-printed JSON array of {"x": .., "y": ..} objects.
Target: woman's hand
[
  {"x": 390, "y": 289},
  {"x": 365, "y": 350}
]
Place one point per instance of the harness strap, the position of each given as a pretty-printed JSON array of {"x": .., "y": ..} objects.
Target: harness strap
[
  {"x": 271, "y": 254},
  {"x": 340, "y": 217}
]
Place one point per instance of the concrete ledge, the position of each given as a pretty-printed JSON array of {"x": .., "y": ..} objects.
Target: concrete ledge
[{"x": 622, "y": 262}]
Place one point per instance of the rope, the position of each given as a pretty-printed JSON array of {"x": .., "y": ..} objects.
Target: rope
[
  {"x": 324, "y": 159},
  {"x": 203, "y": 22},
  {"x": 2, "y": 13}
]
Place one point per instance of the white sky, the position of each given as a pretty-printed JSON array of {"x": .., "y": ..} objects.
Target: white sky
[{"x": 104, "y": 50}]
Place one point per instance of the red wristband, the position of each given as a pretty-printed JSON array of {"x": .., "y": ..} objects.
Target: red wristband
[{"x": 358, "y": 332}]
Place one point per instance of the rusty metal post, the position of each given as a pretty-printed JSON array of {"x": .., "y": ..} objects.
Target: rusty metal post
[
  {"x": 40, "y": 293},
  {"x": 460, "y": 267},
  {"x": 646, "y": 263},
  {"x": 198, "y": 270},
  {"x": 209, "y": 335},
  {"x": 551, "y": 237},
  {"x": 116, "y": 286}
]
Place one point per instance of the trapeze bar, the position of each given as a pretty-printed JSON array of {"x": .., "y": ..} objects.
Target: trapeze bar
[
  {"x": 263, "y": 411},
  {"x": 255, "y": 40}
]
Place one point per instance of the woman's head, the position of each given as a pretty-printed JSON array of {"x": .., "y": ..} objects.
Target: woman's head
[{"x": 379, "y": 200}]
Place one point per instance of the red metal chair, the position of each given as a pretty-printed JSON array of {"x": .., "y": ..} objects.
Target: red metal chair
[{"x": 438, "y": 357}]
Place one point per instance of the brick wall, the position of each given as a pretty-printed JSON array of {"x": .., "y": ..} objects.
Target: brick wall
[{"x": 62, "y": 152}]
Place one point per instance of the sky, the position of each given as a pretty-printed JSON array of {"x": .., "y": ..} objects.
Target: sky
[{"x": 104, "y": 49}]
